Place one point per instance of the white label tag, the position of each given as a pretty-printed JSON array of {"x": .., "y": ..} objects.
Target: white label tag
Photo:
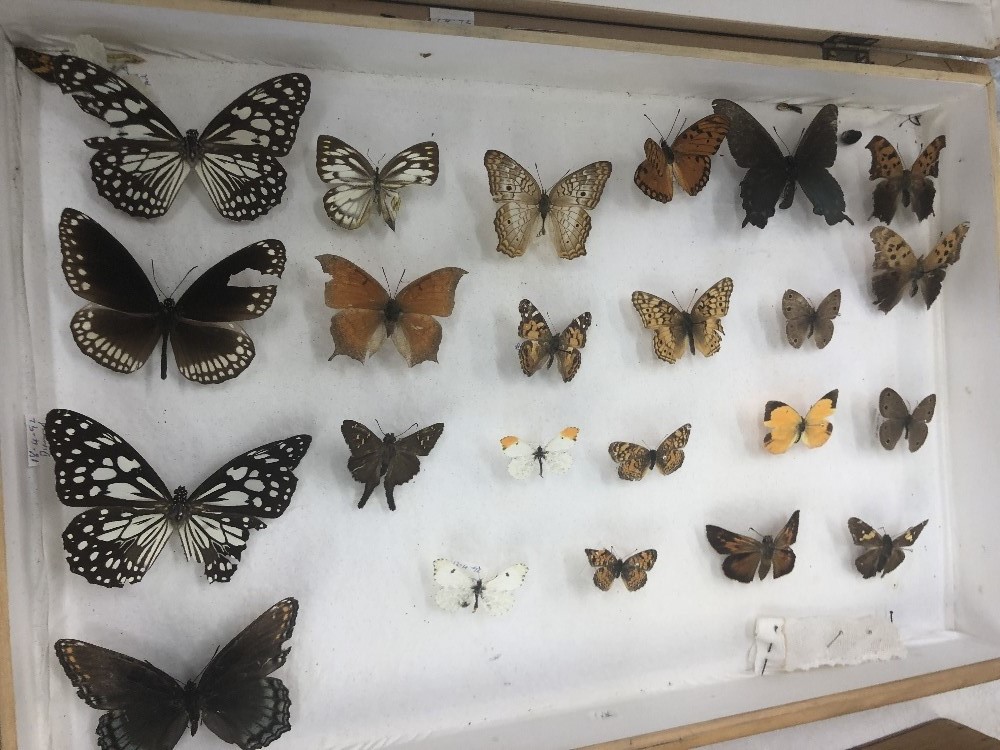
[
  {"x": 38, "y": 446},
  {"x": 447, "y": 15}
]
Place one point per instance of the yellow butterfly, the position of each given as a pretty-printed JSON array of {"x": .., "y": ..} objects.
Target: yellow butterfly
[
  {"x": 787, "y": 426},
  {"x": 701, "y": 328}
]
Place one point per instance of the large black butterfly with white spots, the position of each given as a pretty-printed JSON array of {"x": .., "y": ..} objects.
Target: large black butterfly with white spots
[
  {"x": 125, "y": 319},
  {"x": 132, "y": 513},
  {"x": 147, "y": 709},
  {"x": 140, "y": 170}
]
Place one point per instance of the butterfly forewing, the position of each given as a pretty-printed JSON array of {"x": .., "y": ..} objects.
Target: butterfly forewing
[{"x": 670, "y": 454}]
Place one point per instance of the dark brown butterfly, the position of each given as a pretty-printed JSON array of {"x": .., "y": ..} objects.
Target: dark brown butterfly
[
  {"x": 541, "y": 346},
  {"x": 147, "y": 709},
  {"x": 898, "y": 421},
  {"x": 897, "y": 268},
  {"x": 882, "y": 554},
  {"x": 688, "y": 160},
  {"x": 747, "y": 555},
  {"x": 635, "y": 460},
  {"x": 632, "y": 570},
  {"x": 390, "y": 460},
  {"x": 803, "y": 321},
  {"x": 771, "y": 176},
  {"x": 900, "y": 183}
]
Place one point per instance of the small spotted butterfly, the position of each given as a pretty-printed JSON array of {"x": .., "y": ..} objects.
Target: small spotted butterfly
[{"x": 131, "y": 513}]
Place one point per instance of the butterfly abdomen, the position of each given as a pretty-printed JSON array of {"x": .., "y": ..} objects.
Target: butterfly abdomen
[
  {"x": 651, "y": 457},
  {"x": 477, "y": 591},
  {"x": 543, "y": 211},
  {"x": 392, "y": 311},
  {"x": 192, "y": 704},
  {"x": 193, "y": 150},
  {"x": 179, "y": 512}
]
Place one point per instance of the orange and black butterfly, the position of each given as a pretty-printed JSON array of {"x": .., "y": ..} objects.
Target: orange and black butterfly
[
  {"x": 897, "y": 268},
  {"x": 635, "y": 460},
  {"x": 688, "y": 160},
  {"x": 883, "y": 553},
  {"x": 898, "y": 421},
  {"x": 541, "y": 346},
  {"x": 368, "y": 314},
  {"x": 909, "y": 185},
  {"x": 632, "y": 570},
  {"x": 787, "y": 426},
  {"x": 747, "y": 555},
  {"x": 700, "y": 329}
]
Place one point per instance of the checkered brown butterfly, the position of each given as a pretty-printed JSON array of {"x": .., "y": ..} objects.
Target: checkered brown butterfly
[
  {"x": 539, "y": 346},
  {"x": 882, "y": 554},
  {"x": 632, "y": 570},
  {"x": 907, "y": 186}
]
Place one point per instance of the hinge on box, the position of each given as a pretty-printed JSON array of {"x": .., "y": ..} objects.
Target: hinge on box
[{"x": 848, "y": 48}]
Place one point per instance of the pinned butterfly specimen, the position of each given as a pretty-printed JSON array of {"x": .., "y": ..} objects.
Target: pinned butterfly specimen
[
  {"x": 140, "y": 170},
  {"x": 906, "y": 185},
  {"x": 688, "y": 160},
  {"x": 390, "y": 461},
  {"x": 368, "y": 314},
  {"x": 746, "y": 555},
  {"x": 147, "y": 709},
  {"x": 632, "y": 570},
  {"x": 125, "y": 319},
  {"x": 803, "y": 321},
  {"x": 553, "y": 456},
  {"x": 771, "y": 176},
  {"x": 635, "y": 460},
  {"x": 132, "y": 514},
  {"x": 541, "y": 346},
  {"x": 461, "y": 588},
  {"x": 357, "y": 185},
  {"x": 882, "y": 554},
  {"x": 897, "y": 268},
  {"x": 787, "y": 426},
  {"x": 672, "y": 327},
  {"x": 899, "y": 422},
  {"x": 525, "y": 207}
]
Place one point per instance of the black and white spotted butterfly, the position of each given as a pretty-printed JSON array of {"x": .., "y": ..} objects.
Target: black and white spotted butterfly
[
  {"x": 125, "y": 320},
  {"x": 140, "y": 169},
  {"x": 357, "y": 185},
  {"x": 147, "y": 709},
  {"x": 132, "y": 513}
]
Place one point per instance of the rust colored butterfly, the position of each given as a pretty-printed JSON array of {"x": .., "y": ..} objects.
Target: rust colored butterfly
[
  {"x": 802, "y": 320},
  {"x": 688, "y": 161},
  {"x": 898, "y": 268},
  {"x": 635, "y": 460},
  {"x": 368, "y": 314},
  {"x": 632, "y": 570},
  {"x": 787, "y": 426},
  {"x": 541, "y": 346},
  {"x": 882, "y": 554},
  {"x": 899, "y": 422},
  {"x": 906, "y": 185},
  {"x": 747, "y": 555},
  {"x": 672, "y": 327}
]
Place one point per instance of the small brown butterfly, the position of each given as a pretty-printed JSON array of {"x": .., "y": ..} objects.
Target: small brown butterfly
[
  {"x": 672, "y": 327},
  {"x": 883, "y": 553},
  {"x": 897, "y": 267},
  {"x": 632, "y": 570},
  {"x": 540, "y": 345},
  {"x": 803, "y": 321},
  {"x": 688, "y": 160},
  {"x": 906, "y": 184},
  {"x": 368, "y": 314},
  {"x": 635, "y": 460},
  {"x": 747, "y": 555},
  {"x": 899, "y": 421}
]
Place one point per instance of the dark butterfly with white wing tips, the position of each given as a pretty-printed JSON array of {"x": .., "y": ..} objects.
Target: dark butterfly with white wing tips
[
  {"x": 141, "y": 169},
  {"x": 747, "y": 556},
  {"x": 898, "y": 421},
  {"x": 131, "y": 513},
  {"x": 803, "y": 321},
  {"x": 883, "y": 553},
  {"x": 390, "y": 461},
  {"x": 771, "y": 176},
  {"x": 125, "y": 319},
  {"x": 147, "y": 709}
]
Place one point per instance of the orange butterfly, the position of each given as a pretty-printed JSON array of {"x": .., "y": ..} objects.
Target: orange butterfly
[
  {"x": 368, "y": 314},
  {"x": 787, "y": 426},
  {"x": 688, "y": 160}
]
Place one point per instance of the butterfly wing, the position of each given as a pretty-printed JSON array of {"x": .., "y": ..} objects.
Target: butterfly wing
[
  {"x": 887, "y": 165},
  {"x": 536, "y": 347},
  {"x": 814, "y": 156},
  {"x": 522, "y": 457},
  {"x": 417, "y": 165},
  {"x": 632, "y": 459},
  {"x": 456, "y": 586},
  {"x": 497, "y": 595},
  {"x": 799, "y": 317},
  {"x": 569, "y": 200},
  {"x": 693, "y": 151},
  {"x": 518, "y": 193},
  {"x": 895, "y": 416},
  {"x": 634, "y": 569},
  {"x": 828, "y": 309},
  {"x": 867, "y": 563},
  {"x": 783, "y": 558},
  {"x": 921, "y": 187},
  {"x": 348, "y": 203},
  {"x": 120, "y": 328},
  {"x": 743, "y": 553},
  {"x": 817, "y": 429},
  {"x": 918, "y": 423},
  {"x": 557, "y": 458},
  {"x": 784, "y": 425},
  {"x": 670, "y": 454},
  {"x": 571, "y": 341},
  {"x": 144, "y": 705},
  {"x": 365, "y": 462},
  {"x": 906, "y": 539},
  {"x": 654, "y": 176},
  {"x": 706, "y": 317},
  {"x": 358, "y": 330},
  {"x": 608, "y": 567},
  {"x": 417, "y": 335},
  {"x": 669, "y": 325},
  {"x": 240, "y": 703},
  {"x": 405, "y": 464},
  {"x": 894, "y": 267},
  {"x": 944, "y": 254}
]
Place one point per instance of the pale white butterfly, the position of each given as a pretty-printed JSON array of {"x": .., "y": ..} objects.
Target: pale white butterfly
[
  {"x": 524, "y": 206},
  {"x": 553, "y": 457},
  {"x": 357, "y": 185},
  {"x": 461, "y": 588}
]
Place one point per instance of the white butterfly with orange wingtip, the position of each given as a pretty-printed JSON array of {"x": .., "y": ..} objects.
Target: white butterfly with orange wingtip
[
  {"x": 461, "y": 588},
  {"x": 554, "y": 455}
]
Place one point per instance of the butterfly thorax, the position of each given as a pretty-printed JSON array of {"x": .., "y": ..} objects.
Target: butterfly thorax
[
  {"x": 539, "y": 455},
  {"x": 179, "y": 510},
  {"x": 767, "y": 546},
  {"x": 651, "y": 457},
  {"x": 391, "y": 312},
  {"x": 193, "y": 150},
  {"x": 388, "y": 452},
  {"x": 543, "y": 211},
  {"x": 668, "y": 152},
  {"x": 477, "y": 591},
  {"x": 192, "y": 705}
]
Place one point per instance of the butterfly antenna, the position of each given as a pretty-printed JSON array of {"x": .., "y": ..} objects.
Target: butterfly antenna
[
  {"x": 190, "y": 271},
  {"x": 779, "y": 138},
  {"x": 662, "y": 137},
  {"x": 407, "y": 429},
  {"x": 539, "y": 176},
  {"x": 399, "y": 282},
  {"x": 380, "y": 428},
  {"x": 756, "y": 532},
  {"x": 385, "y": 277},
  {"x": 152, "y": 265},
  {"x": 671, "y": 131}
]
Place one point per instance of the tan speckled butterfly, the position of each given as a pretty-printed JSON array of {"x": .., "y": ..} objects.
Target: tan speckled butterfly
[
  {"x": 913, "y": 184},
  {"x": 635, "y": 460},
  {"x": 898, "y": 268},
  {"x": 541, "y": 346},
  {"x": 672, "y": 327},
  {"x": 632, "y": 570}
]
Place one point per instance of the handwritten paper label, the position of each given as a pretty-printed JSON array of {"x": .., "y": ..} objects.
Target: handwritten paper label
[{"x": 38, "y": 446}]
